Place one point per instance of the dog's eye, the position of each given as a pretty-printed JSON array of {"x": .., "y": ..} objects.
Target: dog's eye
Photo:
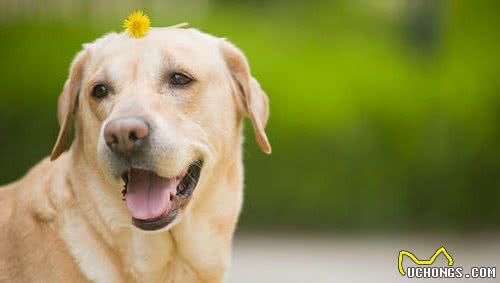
[
  {"x": 100, "y": 91},
  {"x": 180, "y": 79}
]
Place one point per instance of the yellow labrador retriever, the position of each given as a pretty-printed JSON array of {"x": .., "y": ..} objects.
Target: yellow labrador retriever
[{"x": 151, "y": 187}]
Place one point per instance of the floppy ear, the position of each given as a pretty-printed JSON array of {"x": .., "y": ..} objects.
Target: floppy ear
[
  {"x": 253, "y": 99},
  {"x": 67, "y": 104}
]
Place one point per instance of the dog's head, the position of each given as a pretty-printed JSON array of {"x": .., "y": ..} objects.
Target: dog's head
[{"x": 152, "y": 112}]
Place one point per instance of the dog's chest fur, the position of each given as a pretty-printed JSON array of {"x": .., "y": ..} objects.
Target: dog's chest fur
[
  {"x": 137, "y": 257},
  {"x": 195, "y": 250}
]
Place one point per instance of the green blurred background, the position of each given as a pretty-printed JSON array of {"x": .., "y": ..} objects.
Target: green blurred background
[{"x": 385, "y": 115}]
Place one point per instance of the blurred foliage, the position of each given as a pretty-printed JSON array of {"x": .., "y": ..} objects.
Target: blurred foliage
[{"x": 384, "y": 114}]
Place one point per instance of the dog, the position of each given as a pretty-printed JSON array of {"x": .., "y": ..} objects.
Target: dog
[{"x": 145, "y": 181}]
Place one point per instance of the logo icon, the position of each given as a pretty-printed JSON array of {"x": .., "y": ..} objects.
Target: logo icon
[{"x": 430, "y": 261}]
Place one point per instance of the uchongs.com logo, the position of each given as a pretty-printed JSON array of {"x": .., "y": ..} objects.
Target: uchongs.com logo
[{"x": 424, "y": 268}]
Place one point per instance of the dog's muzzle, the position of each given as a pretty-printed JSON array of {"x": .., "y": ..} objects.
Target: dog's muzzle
[{"x": 152, "y": 200}]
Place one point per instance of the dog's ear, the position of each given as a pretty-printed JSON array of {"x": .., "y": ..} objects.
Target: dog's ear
[
  {"x": 252, "y": 99},
  {"x": 66, "y": 105}
]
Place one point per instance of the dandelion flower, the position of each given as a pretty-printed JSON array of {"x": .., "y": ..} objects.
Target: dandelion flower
[{"x": 137, "y": 24}]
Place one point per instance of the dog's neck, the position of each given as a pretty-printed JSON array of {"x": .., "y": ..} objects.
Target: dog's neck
[{"x": 195, "y": 246}]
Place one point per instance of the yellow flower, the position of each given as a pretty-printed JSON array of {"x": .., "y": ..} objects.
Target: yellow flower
[{"x": 137, "y": 24}]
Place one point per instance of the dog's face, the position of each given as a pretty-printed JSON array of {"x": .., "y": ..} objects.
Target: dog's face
[{"x": 155, "y": 112}]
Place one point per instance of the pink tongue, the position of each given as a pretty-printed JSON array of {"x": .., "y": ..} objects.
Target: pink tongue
[{"x": 148, "y": 195}]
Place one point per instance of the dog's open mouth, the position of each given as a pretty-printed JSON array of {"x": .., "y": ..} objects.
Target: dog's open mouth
[{"x": 153, "y": 201}]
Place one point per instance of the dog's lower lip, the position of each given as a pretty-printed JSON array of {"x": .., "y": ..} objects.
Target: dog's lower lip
[{"x": 156, "y": 223}]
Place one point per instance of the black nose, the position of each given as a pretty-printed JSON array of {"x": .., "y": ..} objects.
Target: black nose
[{"x": 126, "y": 135}]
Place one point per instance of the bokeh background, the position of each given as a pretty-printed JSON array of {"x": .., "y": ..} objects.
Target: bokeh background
[{"x": 385, "y": 121}]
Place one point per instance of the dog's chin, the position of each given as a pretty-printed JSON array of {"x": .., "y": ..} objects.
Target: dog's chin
[{"x": 154, "y": 202}]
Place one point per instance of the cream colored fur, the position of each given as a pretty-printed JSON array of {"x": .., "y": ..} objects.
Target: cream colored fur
[{"x": 65, "y": 221}]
